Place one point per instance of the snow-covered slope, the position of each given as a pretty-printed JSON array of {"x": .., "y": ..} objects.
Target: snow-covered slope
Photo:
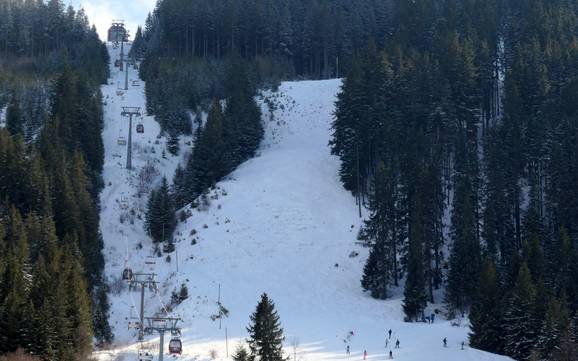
[{"x": 282, "y": 224}]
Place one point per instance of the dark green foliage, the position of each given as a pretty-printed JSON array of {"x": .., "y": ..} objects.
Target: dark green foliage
[
  {"x": 227, "y": 139},
  {"x": 208, "y": 163},
  {"x": 553, "y": 328},
  {"x": 55, "y": 61},
  {"x": 415, "y": 298},
  {"x": 189, "y": 46},
  {"x": 178, "y": 297},
  {"x": 45, "y": 305},
  {"x": 161, "y": 219},
  {"x": 380, "y": 231},
  {"x": 40, "y": 37},
  {"x": 241, "y": 354},
  {"x": 486, "y": 311},
  {"x": 265, "y": 333},
  {"x": 14, "y": 121},
  {"x": 520, "y": 325},
  {"x": 465, "y": 254}
]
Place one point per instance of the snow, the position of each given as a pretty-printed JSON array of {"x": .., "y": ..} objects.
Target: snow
[
  {"x": 3, "y": 117},
  {"x": 282, "y": 224}
]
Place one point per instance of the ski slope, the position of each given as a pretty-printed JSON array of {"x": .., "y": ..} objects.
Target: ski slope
[{"x": 281, "y": 223}]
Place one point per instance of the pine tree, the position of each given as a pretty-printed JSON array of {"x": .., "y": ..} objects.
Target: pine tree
[
  {"x": 14, "y": 119},
  {"x": 160, "y": 217},
  {"x": 486, "y": 313},
  {"x": 520, "y": 328},
  {"x": 265, "y": 333},
  {"x": 241, "y": 354},
  {"x": 568, "y": 347},
  {"x": 555, "y": 324},
  {"x": 380, "y": 231},
  {"x": 415, "y": 298},
  {"x": 465, "y": 257}
]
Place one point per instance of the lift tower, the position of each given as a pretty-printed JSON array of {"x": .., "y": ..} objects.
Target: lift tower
[
  {"x": 144, "y": 280},
  {"x": 162, "y": 325},
  {"x": 130, "y": 112}
]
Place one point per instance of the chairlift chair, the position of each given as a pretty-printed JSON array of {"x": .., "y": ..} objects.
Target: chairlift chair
[
  {"x": 150, "y": 260},
  {"x": 124, "y": 203},
  {"x": 127, "y": 274},
  {"x": 145, "y": 355},
  {"x": 119, "y": 93},
  {"x": 175, "y": 346},
  {"x": 121, "y": 140},
  {"x": 140, "y": 128},
  {"x": 135, "y": 83}
]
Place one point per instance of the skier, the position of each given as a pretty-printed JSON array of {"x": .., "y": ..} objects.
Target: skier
[
  {"x": 433, "y": 317},
  {"x": 463, "y": 344},
  {"x": 389, "y": 333},
  {"x": 347, "y": 350},
  {"x": 445, "y": 342},
  {"x": 390, "y": 355},
  {"x": 397, "y": 343},
  {"x": 364, "y": 354}
]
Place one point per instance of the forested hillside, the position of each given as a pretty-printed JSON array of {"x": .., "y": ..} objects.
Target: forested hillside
[
  {"x": 460, "y": 136},
  {"x": 190, "y": 46},
  {"x": 53, "y": 300}
]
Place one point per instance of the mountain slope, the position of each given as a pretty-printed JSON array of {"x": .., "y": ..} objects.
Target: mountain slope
[{"x": 282, "y": 224}]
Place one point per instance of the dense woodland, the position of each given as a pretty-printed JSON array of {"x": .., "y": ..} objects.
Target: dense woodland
[
  {"x": 460, "y": 135},
  {"x": 53, "y": 300},
  {"x": 189, "y": 46}
]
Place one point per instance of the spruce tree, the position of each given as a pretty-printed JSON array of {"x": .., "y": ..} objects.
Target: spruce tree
[
  {"x": 555, "y": 324},
  {"x": 380, "y": 231},
  {"x": 160, "y": 219},
  {"x": 415, "y": 298},
  {"x": 486, "y": 313},
  {"x": 241, "y": 354},
  {"x": 14, "y": 119},
  {"x": 265, "y": 333},
  {"x": 465, "y": 257},
  {"x": 520, "y": 327}
]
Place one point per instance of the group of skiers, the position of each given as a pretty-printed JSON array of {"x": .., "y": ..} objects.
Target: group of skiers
[{"x": 387, "y": 340}]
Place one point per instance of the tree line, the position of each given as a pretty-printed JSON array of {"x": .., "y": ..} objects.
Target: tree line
[
  {"x": 39, "y": 36},
  {"x": 53, "y": 297},
  {"x": 189, "y": 47},
  {"x": 456, "y": 135},
  {"x": 230, "y": 135},
  {"x": 51, "y": 245}
]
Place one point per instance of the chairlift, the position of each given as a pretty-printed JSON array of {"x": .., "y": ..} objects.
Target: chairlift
[
  {"x": 117, "y": 63},
  {"x": 121, "y": 140},
  {"x": 127, "y": 274},
  {"x": 175, "y": 346},
  {"x": 150, "y": 260},
  {"x": 145, "y": 355},
  {"x": 119, "y": 92},
  {"x": 140, "y": 128},
  {"x": 124, "y": 203},
  {"x": 135, "y": 83}
]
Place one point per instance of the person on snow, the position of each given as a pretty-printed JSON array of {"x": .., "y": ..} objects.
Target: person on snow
[
  {"x": 364, "y": 354},
  {"x": 397, "y": 343},
  {"x": 433, "y": 315},
  {"x": 347, "y": 350},
  {"x": 390, "y": 355},
  {"x": 445, "y": 342},
  {"x": 389, "y": 333},
  {"x": 463, "y": 344}
]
